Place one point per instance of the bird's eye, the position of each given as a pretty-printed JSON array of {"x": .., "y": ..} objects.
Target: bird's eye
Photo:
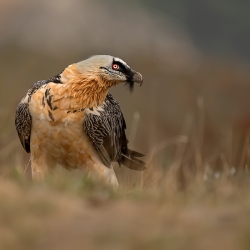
[{"x": 115, "y": 66}]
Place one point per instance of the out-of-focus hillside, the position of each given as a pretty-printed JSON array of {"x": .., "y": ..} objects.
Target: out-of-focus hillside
[
  {"x": 218, "y": 27},
  {"x": 81, "y": 28}
]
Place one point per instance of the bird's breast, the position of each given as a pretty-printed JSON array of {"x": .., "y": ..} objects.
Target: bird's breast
[
  {"x": 57, "y": 133},
  {"x": 45, "y": 105}
]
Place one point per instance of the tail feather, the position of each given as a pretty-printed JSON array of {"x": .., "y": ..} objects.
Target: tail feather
[
  {"x": 131, "y": 162},
  {"x": 135, "y": 154}
]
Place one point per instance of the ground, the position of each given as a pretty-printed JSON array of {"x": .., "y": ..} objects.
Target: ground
[{"x": 70, "y": 212}]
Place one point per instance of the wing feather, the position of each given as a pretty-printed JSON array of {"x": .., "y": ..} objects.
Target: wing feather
[
  {"x": 23, "y": 119},
  {"x": 107, "y": 133},
  {"x": 23, "y": 123}
]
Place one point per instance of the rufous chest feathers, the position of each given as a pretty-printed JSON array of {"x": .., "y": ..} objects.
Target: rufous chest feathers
[{"x": 79, "y": 91}]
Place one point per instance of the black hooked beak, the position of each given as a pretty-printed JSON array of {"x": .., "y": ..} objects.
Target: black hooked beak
[
  {"x": 138, "y": 78},
  {"x": 133, "y": 77}
]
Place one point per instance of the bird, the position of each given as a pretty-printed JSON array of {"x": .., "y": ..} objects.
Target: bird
[{"x": 72, "y": 120}]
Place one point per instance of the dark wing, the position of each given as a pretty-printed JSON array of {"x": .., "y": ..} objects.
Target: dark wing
[
  {"x": 23, "y": 118},
  {"x": 107, "y": 133},
  {"x": 23, "y": 124}
]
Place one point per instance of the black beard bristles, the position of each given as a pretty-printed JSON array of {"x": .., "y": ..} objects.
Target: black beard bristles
[{"x": 130, "y": 85}]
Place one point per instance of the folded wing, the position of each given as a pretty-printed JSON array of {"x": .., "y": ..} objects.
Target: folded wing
[{"x": 106, "y": 129}]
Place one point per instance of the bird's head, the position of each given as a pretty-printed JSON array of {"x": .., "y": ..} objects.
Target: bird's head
[{"x": 110, "y": 70}]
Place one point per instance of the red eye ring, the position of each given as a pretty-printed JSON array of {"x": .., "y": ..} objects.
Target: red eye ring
[{"x": 115, "y": 66}]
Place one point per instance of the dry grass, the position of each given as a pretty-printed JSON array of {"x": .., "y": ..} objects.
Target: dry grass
[{"x": 70, "y": 212}]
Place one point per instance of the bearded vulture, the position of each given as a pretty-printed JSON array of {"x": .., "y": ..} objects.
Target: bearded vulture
[{"x": 73, "y": 121}]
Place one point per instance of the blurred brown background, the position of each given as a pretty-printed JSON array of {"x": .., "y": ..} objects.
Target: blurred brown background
[
  {"x": 191, "y": 118},
  {"x": 194, "y": 57}
]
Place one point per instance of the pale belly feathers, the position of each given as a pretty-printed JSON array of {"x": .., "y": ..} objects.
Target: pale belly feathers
[{"x": 58, "y": 136}]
